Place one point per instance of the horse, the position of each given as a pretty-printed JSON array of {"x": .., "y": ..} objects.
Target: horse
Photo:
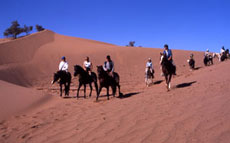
[
  {"x": 107, "y": 81},
  {"x": 208, "y": 60},
  {"x": 84, "y": 79},
  {"x": 217, "y": 55},
  {"x": 224, "y": 56},
  {"x": 168, "y": 70},
  {"x": 149, "y": 77},
  {"x": 191, "y": 63},
  {"x": 64, "y": 78}
]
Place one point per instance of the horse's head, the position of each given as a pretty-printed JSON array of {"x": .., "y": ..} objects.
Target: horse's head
[
  {"x": 78, "y": 70},
  {"x": 56, "y": 77},
  {"x": 100, "y": 69},
  {"x": 163, "y": 58}
]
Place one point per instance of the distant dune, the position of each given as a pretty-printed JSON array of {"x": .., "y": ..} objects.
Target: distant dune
[{"x": 195, "y": 110}]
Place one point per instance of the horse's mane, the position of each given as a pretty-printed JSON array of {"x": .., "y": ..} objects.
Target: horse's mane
[
  {"x": 77, "y": 66},
  {"x": 102, "y": 71}
]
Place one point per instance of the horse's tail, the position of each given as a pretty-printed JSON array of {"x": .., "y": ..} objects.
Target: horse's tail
[
  {"x": 116, "y": 77},
  {"x": 94, "y": 76}
]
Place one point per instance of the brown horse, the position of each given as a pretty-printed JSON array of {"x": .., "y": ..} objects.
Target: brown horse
[
  {"x": 84, "y": 79},
  {"x": 168, "y": 70},
  {"x": 107, "y": 81}
]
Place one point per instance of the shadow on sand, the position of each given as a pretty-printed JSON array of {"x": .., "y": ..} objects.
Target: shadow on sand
[
  {"x": 127, "y": 95},
  {"x": 158, "y": 82},
  {"x": 182, "y": 85},
  {"x": 197, "y": 68}
]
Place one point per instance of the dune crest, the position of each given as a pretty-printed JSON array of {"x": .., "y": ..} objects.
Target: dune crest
[{"x": 195, "y": 110}]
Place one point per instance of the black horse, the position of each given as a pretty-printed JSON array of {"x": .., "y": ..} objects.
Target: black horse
[
  {"x": 224, "y": 56},
  {"x": 64, "y": 78},
  {"x": 191, "y": 63},
  {"x": 149, "y": 75},
  {"x": 168, "y": 70},
  {"x": 208, "y": 60},
  {"x": 84, "y": 79},
  {"x": 107, "y": 81}
]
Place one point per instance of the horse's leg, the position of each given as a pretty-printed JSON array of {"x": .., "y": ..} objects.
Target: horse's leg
[
  {"x": 114, "y": 88},
  {"x": 169, "y": 81},
  {"x": 166, "y": 79},
  {"x": 119, "y": 89},
  {"x": 96, "y": 87},
  {"x": 99, "y": 91},
  {"x": 61, "y": 90},
  {"x": 84, "y": 90},
  {"x": 91, "y": 88},
  {"x": 107, "y": 92},
  {"x": 79, "y": 86},
  {"x": 68, "y": 88}
]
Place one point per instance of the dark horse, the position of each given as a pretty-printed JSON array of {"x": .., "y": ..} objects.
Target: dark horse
[
  {"x": 84, "y": 79},
  {"x": 224, "y": 56},
  {"x": 149, "y": 77},
  {"x": 208, "y": 60},
  {"x": 64, "y": 78},
  {"x": 107, "y": 81},
  {"x": 168, "y": 69},
  {"x": 191, "y": 63}
]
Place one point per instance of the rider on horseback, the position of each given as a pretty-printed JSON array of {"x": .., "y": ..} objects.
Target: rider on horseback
[
  {"x": 149, "y": 66},
  {"x": 88, "y": 66},
  {"x": 109, "y": 66},
  {"x": 222, "y": 51},
  {"x": 168, "y": 53},
  {"x": 63, "y": 66},
  {"x": 206, "y": 53}
]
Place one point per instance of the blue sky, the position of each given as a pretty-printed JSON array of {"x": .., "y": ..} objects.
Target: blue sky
[{"x": 182, "y": 24}]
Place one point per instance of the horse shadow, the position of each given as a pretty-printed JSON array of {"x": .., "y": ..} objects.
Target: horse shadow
[
  {"x": 183, "y": 85},
  {"x": 158, "y": 82},
  {"x": 127, "y": 95},
  {"x": 197, "y": 68}
]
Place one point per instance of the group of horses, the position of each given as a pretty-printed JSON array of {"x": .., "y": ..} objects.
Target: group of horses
[
  {"x": 84, "y": 78},
  {"x": 106, "y": 80}
]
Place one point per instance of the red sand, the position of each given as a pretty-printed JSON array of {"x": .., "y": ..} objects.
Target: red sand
[{"x": 195, "y": 110}]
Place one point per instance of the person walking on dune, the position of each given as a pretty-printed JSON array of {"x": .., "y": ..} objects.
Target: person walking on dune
[
  {"x": 168, "y": 53},
  {"x": 109, "y": 66},
  {"x": 88, "y": 66},
  {"x": 63, "y": 66}
]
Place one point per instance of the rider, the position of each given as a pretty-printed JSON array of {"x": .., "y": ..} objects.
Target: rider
[
  {"x": 109, "y": 66},
  {"x": 63, "y": 66},
  {"x": 87, "y": 65},
  {"x": 168, "y": 53},
  {"x": 190, "y": 59},
  {"x": 149, "y": 65},
  {"x": 222, "y": 51},
  {"x": 206, "y": 54}
]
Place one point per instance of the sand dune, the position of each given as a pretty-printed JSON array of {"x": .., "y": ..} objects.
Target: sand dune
[{"x": 195, "y": 110}]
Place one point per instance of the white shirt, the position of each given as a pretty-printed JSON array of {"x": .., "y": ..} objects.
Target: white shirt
[
  {"x": 149, "y": 64},
  {"x": 222, "y": 51},
  {"x": 63, "y": 66},
  {"x": 87, "y": 64}
]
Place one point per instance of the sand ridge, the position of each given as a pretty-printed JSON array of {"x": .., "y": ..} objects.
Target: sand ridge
[{"x": 195, "y": 110}]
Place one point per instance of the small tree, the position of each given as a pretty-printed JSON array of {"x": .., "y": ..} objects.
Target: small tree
[
  {"x": 13, "y": 30},
  {"x": 27, "y": 29},
  {"x": 39, "y": 28},
  {"x": 131, "y": 43}
]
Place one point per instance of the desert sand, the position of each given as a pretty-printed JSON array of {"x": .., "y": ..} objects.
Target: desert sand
[{"x": 196, "y": 110}]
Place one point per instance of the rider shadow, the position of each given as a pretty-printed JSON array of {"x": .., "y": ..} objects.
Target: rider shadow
[
  {"x": 183, "y": 85},
  {"x": 158, "y": 82},
  {"x": 127, "y": 95},
  {"x": 197, "y": 68}
]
